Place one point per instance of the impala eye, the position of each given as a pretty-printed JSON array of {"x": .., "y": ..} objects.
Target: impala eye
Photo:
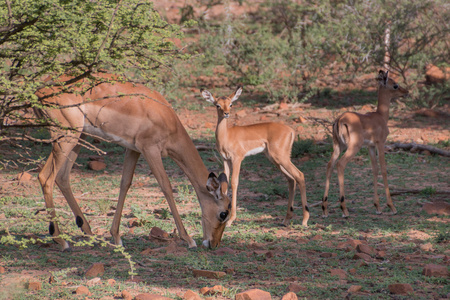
[
  {"x": 218, "y": 106},
  {"x": 231, "y": 105},
  {"x": 395, "y": 86},
  {"x": 223, "y": 215}
]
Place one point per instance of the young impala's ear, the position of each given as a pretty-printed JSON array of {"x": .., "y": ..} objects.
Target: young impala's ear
[
  {"x": 383, "y": 77},
  {"x": 236, "y": 94},
  {"x": 223, "y": 181},
  {"x": 208, "y": 96}
]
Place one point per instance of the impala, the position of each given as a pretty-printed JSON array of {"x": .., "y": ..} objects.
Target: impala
[
  {"x": 274, "y": 139},
  {"x": 143, "y": 122},
  {"x": 352, "y": 130}
]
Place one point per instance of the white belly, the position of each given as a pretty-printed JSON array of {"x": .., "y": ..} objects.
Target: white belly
[
  {"x": 95, "y": 131},
  {"x": 255, "y": 151}
]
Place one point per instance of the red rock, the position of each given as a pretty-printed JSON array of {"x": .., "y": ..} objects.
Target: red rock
[
  {"x": 24, "y": 177},
  {"x": 204, "y": 290},
  {"x": 352, "y": 243},
  {"x": 253, "y": 294},
  {"x": 363, "y": 248},
  {"x": 215, "y": 290},
  {"x": 111, "y": 282},
  {"x": 208, "y": 274},
  {"x": 34, "y": 285},
  {"x": 295, "y": 288},
  {"x": 224, "y": 251},
  {"x": 97, "y": 269},
  {"x": 328, "y": 254},
  {"x": 426, "y": 247},
  {"x": 191, "y": 295},
  {"x": 400, "y": 288},
  {"x": 435, "y": 271},
  {"x": 439, "y": 208},
  {"x": 126, "y": 295},
  {"x": 2, "y": 270},
  {"x": 158, "y": 233},
  {"x": 381, "y": 254},
  {"x": 147, "y": 296},
  {"x": 290, "y": 296},
  {"x": 82, "y": 290},
  {"x": 362, "y": 256},
  {"x": 96, "y": 165},
  {"x": 338, "y": 272},
  {"x": 284, "y": 105},
  {"x": 354, "y": 289}
]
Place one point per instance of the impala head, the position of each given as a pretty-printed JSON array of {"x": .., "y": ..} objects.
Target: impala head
[
  {"x": 223, "y": 104},
  {"x": 215, "y": 215},
  {"x": 388, "y": 84}
]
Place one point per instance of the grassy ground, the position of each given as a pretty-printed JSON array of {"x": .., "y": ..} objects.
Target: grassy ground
[{"x": 256, "y": 252}]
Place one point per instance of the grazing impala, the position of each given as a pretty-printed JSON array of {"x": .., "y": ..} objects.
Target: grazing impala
[
  {"x": 352, "y": 130},
  {"x": 143, "y": 122},
  {"x": 274, "y": 139}
]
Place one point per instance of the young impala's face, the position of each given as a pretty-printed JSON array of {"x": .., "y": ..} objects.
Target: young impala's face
[
  {"x": 389, "y": 84},
  {"x": 216, "y": 213},
  {"x": 223, "y": 104}
]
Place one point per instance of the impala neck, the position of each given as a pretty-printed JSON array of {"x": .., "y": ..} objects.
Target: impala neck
[
  {"x": 383, "y": 103},
  {"x": 222, "y": 127},
  {"x": 188, "y": 159}
]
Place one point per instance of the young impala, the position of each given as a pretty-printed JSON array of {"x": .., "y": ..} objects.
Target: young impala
[
  {"x": 143, "y": 122},
  {"x": 274, "y": 139},
  {"x": 352, "y": 130}
]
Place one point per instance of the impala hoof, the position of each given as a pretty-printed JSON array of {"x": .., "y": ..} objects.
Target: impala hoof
[{"x": 325, "y": 216}]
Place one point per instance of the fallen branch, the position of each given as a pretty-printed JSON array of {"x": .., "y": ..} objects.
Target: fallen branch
[{"x": 413, "y": 147}]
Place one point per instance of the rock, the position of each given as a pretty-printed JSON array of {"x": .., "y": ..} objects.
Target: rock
[
  {"x": 400, "y": 288},
  {"x": 215, "y": 290},
  {"x": 327, "y": 254},
  {"x": 94, "y": 281},
  {"x": 284, "y": 105},
  {"x": 253, "y": 294},
  {"x": 208, "y": 274},
  {"x": 191, "y": 295},
  {"x": 111, "y": 282},
  {"x": 432, "y": 270},
  {"x": 426, "y": 247},
  {"x": 97, "y": 269},
  {"x": 363, "y": 256},
  {"x": 34, "y": 285},
  {"x": 352, "y": 271},
  {"x": 204, "y": 290},
  {"x": 349, "y": 243},
  {"x": 381, "y": 254},
  {"x": 126, "y": 295},
  {"x": 158, "y": 233},
  {"x": 439, "y": 208},
  {"x": 295, "y": 288},
  {"x": 224, "y": 251},
  {"x": 96, "y": 165},
  {"x": 147, "y": 296},
  {"x": 434, "y": 74},
  {"x": 364, "y": 248},
  {"x": 24, "y": 177},
  {"x": 290, "y": 296},
  {"x": 338, "y": 272},
  {"x": 2, "y": 270},
  {"x": 82, "y": 290},
  {"x": 354, "y": 289}
]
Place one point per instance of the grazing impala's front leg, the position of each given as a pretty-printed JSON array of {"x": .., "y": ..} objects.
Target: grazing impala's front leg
[{"x": 129, "y": 165}]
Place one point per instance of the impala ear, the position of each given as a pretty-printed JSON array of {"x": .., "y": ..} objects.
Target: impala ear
[
  {"x": 383, "y": 77},
  {"x": 236, "y": 94},
  {"x": 223, "y": 181},
  {"x": 208, "y": 96},
  {"x": 212, "y": 184}
]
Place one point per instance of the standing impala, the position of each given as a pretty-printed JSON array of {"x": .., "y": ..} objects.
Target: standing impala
[
  {"x": 143, "y": 122},
  {"x": 352, "y": 130},
  {"x": 274, "y": 139}
]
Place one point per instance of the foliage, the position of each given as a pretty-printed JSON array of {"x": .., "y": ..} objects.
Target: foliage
[{"x": 42, "y": 40}]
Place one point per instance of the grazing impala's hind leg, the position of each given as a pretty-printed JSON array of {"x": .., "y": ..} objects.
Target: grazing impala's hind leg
[
  {"x": 63, "y": 182},
  {"x": 57, "y": 160},
  {"x": 129, "y": 165},
  {"x": 236, "y": 162}
]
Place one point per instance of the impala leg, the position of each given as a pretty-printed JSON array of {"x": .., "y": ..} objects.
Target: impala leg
[
  {"x": 380, "y": 148},
  {"x": 153, "y": 157},
  {"x": 373, "y": 160},
  {"x": 63, "y": 182},
  {"x": 47, "y": 177},
  {"x": 330, "y": 166},
  {"x": 290, "y": 207},
  {"x": 129, "y": 166},
  {"x": 289, "y": 169},
  {"x": 341, "y": 164},
  {"x": 234, "y": 186}
]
